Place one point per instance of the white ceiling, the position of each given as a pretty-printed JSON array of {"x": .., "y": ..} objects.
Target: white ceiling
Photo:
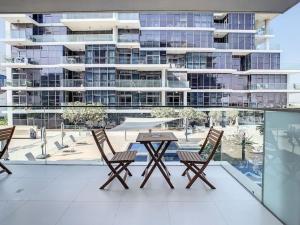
[{"x": 39, "y": 6}]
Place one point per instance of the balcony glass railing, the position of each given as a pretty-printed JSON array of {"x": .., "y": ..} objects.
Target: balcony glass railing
[
  {"x": 22, "y": 60},
  {"x": 72, "y": 38},
  {"x": 274, "y": 86},
  {"x": 281, "y": 167},
  {"x": 221, "y": 45},
  {"x": 128, "y": 16},
  {"x": 139, "y": 60},
  {"x": 87, "y": 83},
  {"x": 116, "y": 83},
  {"x": 73, "y": 59},
  {"x": 221, "y": 26},
  {"x": 128, "y": 38},
  {"x": 61, "y": 37},
  {"x": 88, "y": 16},
  {"x": 73, "y": 83},
  {"x": 31, "y": 83},
  {"x": 178, "y": 84},
  {"x": 271, "y": 46},
  {"x": 138, "y": 83},
  {"x": 19, "y": 34}
]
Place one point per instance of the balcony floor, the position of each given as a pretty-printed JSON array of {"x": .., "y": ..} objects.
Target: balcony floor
[{"x": 69, "y": 195}]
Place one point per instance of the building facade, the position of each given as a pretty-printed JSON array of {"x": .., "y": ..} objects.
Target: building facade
[{"x": 139, "y": 59}]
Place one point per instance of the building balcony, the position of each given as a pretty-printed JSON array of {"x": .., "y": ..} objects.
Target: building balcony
[
  {"x": 112, "y": 84},
  {"x": 142, "y": 85},
  {"x": 69, "y": 194},
  {"x": 100, "y": 21},
  {"x": 257, "y": 145},
  {"x": 75, "y": 42},
  {"x": 18, "y": 18},
  {"x": 89, "y": 21},
  {"x": 83, "y": 16}
]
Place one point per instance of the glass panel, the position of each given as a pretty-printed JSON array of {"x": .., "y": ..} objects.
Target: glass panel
[{"x": 282, "y": 165}]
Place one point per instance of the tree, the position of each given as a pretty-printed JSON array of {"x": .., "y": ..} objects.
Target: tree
[
  {"x": 164, "y": 112},
  {"x": 193, "y": 114},
  {"x": 244, "y": 141},
  {"x": 190, "y": 114},
  {"x": 95, "y": 115},
  {"x": 232, "y": 116},
  {"x": 215, "y": 116},
  {"x": 77, "y": 113},
  {"x": 74, "y": 113}
]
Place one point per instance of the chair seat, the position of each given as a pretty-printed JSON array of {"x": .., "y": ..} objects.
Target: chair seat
[
  {"x": 127, "y": 156},
  {"x": 195, "y": 157}
]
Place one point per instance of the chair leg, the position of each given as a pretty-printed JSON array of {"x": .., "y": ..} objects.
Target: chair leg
[
  {"x": 116, "y": 174},
  {"x": 5, "y": 168},
  {"x": 184, "y": 172},
  {"x": 207, "y": 182},
  {"x": 199, "y": 173},
  {"x": 127, "y": 170}
]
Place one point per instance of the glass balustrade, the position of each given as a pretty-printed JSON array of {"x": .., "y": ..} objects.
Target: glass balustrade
[
  {"x": 178, "y": 84},
  {"x": 72, "y": 38},
  {"x": 274, "y": 86},
  {"x": 88, "y": 16}
]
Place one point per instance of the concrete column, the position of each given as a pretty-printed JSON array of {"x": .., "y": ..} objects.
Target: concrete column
[
  {"x": 7, "y": 29},
  {"x": 163, "y": 98},
  {"x": 163, "y": 78},
  {"x": 185, "y": 98},
  {"x": 115, "y": 34}
]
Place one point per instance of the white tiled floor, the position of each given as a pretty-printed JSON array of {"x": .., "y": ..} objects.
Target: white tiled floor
[{"x": 69, "y": 195}]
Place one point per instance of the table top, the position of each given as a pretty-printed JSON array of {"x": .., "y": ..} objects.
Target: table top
[{"x": 156, "y": 136}]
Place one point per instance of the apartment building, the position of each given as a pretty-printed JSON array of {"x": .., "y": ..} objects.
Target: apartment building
[{"x": 200, "y": 59}]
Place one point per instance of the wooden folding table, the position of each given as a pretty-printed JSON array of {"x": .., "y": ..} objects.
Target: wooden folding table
[{"x": 156, "y": 154}]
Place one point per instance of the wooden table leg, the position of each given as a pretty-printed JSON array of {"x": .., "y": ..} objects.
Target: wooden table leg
[
  {"x": 157, "y": 162},
  {"x": 151, "y": 160}
]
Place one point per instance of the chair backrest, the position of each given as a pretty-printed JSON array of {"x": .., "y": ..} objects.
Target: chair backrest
[
  {"x": 211, "y": 143},
  {"x": 6, "y": 135},
  {"x": 100, "y": 138}
]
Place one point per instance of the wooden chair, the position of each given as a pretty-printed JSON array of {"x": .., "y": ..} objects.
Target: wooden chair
[
  {"x": 5, "y": 135},
  {"x": 198, "y": 161},
  {"x": 122, "y": 159}
]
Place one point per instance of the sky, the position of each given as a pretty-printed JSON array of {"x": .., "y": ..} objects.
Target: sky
[{"x": 285, "y": 27}]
